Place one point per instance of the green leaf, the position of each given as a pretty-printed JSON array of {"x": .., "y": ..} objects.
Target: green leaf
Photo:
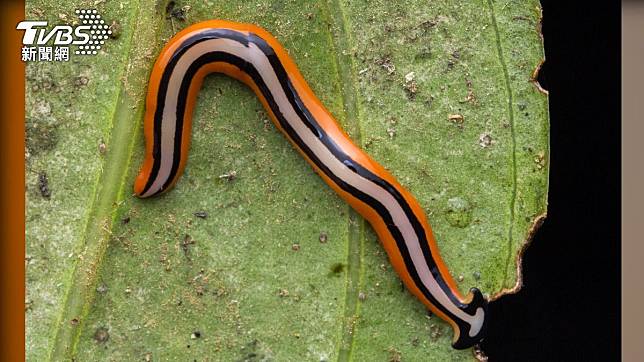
[{"x": 440, "y": 93}]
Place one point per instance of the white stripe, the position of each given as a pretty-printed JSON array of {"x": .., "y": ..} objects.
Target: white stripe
[{"x": 256, "y": 57}]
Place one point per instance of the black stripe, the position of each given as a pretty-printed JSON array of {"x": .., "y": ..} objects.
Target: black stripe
[
  {"x": 218, "y": 56},
  {"x": 304, "y": 114},
  {"x": 310, "y": 122}
]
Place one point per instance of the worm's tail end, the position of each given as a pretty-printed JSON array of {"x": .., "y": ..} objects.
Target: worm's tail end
[
  {"x": 472, "y": 332},
  {"x": 139, "y": 183}
]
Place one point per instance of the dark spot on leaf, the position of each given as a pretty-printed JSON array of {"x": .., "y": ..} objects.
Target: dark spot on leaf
[
  {"x": 40, "y": 135},
  {"x": 101, "y": 335},
  {"x": 386, "y": 63},
  {"x": 169, "y": 7},
  {"x": 424, "y": 53},
  {"x": 428, "y": 24},
  {"x": 174, "y": 12},
  {"x": 201, "y": 214},
  {"x": 43, "y": 185},
  {"x": 251, "y": 352},
  {"x": 410, "y": 86},
  {"x": 115, "y": 27},
  {"x": 336, "y": 269},
  {"x": 185, "y": 245}
]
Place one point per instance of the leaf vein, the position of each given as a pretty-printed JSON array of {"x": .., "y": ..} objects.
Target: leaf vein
[{"x": 513, "y": 194}]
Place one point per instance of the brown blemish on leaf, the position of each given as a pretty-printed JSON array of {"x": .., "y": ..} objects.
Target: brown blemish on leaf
[
  {"x": 386, "y": 63},
  {"x": 323, "y": 237},
  {"x": 410, "y": 85},
  {"x": 101, "y": 335},
  {"x": 535, "y": 76},
  {"x": 102, "y": 147},
  {"x": 457, "y": 119},
  {"x": 115, "y": 27},
  {"x": 394, "y": 355},
  {"x": 469, "y": 98},
  {"x": 185, "y": 245}
]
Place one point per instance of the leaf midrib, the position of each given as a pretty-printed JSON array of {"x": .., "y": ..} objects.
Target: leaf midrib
[
  {"x": 342, "y": 43},
  {"x": 513, "y": 194}
]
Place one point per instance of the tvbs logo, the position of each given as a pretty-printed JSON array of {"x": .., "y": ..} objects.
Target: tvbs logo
[{"x": 43, "y": 44}]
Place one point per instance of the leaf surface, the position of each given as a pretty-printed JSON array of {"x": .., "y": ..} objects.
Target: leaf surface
[{"x": 441, "y": 94}]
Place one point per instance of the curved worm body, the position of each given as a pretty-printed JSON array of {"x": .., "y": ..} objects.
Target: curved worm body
[{"x": 251, "y": 55}]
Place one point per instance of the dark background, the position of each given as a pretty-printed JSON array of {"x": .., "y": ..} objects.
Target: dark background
[{"x": 569, "y": 306}]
